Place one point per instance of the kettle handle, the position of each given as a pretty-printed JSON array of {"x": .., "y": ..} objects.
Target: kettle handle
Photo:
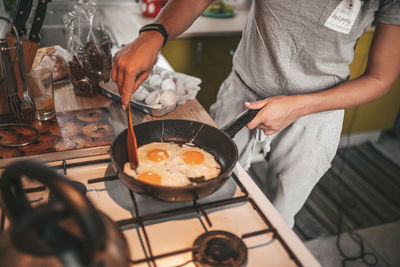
[{"x": 16, "y": 205}]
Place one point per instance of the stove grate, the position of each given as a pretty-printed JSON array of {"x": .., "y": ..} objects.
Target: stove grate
[
  {"x": 139, "y": 220},
  {"x": 199, "y": 208}
]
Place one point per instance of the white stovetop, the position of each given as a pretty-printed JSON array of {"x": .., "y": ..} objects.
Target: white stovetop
[
  {"x": 179, "y": 232},
  {"x": 175, "y": 233}
]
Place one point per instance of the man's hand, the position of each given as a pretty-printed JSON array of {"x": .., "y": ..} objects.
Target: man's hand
[
  {"x": 276, "y": 113},
  {"x": 134, "y": 62}
]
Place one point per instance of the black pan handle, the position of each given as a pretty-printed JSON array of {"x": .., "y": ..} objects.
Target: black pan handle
[
  {"x": 236, "y": 124},
  {"x": 17, "y": 207}
]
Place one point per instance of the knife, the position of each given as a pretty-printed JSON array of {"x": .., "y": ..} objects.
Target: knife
[
  {"x": 38, "y": 20},
  {"x": 29, "y": 48},
  {"x": 21, "y": 15}
]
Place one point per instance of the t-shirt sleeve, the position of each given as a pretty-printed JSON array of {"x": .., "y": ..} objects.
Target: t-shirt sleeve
[{"x": 389, "y": 13}]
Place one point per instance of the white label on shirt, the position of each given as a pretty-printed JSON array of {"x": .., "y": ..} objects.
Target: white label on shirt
[{"x": 344, "y": 16}]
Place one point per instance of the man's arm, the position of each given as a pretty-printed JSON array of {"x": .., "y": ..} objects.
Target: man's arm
[
  {"x": 177, "y": 16},
  {"x": 382, "y": 70},
  {"x": 134, "y": 62}
]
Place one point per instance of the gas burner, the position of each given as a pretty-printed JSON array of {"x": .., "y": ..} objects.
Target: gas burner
[{"x": 219, "y": 248}]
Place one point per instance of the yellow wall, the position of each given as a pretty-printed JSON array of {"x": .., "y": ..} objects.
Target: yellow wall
[{"x": 379, "y": 114}]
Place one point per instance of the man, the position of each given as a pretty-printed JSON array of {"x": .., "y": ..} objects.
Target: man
[{"x": 292, "y": 64}]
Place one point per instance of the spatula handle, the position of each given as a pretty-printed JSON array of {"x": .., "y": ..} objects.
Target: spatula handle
[{"x": 131, "y": 141}]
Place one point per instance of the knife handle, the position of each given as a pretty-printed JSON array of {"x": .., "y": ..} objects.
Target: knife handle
[
  {"x": 21, "y": 15},
  {"x": 38, "y": 20}
]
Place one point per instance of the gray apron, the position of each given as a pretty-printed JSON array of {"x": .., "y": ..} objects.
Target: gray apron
[
  {"x": 286, "y": 48},
  {"x": 298, "y": 156}
]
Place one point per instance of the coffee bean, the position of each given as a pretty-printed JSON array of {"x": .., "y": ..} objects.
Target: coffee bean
[{"x": 90, "y": 65}]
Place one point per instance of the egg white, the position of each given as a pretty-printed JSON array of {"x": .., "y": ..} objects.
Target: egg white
[{"x": 145, "y": 162}]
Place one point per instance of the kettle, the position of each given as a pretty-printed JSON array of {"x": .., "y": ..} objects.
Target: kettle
[{"x": 66, "y": 231}]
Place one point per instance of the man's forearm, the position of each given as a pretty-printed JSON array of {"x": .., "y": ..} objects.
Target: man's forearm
[
  {"x": 349, "y": 94},
  {"x": 179, "y": 15},
  {"x": 382, "y": 70}
]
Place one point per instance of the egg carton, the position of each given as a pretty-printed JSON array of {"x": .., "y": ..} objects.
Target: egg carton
[
  {"x": 160, "y": 93},
  {"x": 110, "y": 90},
  {"x": 163, "y": 86}
]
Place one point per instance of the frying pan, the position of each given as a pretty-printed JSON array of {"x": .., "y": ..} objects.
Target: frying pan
[{"x": 216, "y": 141}]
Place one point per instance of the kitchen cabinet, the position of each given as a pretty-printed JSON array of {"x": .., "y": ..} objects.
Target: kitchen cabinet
[{"x": 211, "y": 60}]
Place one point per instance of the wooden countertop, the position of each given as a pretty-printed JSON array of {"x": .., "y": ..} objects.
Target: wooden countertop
[
  {"x": 60, "y": 143},
  {"x": 66, "y": 100}
]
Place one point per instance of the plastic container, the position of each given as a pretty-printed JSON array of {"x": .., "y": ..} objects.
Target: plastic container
[
  {"x": 183, "y": 86},
  {"x": 110, "y": 90}
]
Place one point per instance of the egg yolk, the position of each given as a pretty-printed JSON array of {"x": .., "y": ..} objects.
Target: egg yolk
[
  {"x": 150, "y": 177},
  {"x": 157, "y": 155},
  {"x": 193, "y": 157}
]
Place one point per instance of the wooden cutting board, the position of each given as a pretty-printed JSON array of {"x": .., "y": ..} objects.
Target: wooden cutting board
[{"x": 69, "y": 130}]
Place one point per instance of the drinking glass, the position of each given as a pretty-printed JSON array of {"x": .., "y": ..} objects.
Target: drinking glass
[{"x": 40, "y": 82}]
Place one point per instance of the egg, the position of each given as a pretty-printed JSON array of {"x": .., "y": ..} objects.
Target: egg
[
  {"x": 156, "y": 153},
  {"x": 168, "y": 98},
  {"x": 197, "y": 162},
  {"x": 157, "y": 176},
  {"x": 166, "y": 178},
  {"x": 169, "y": 164},
  {"x": 167, "y": 85},
  {"x": 155, "y": 81},
  {"x": 155, "y": 165},
  {"x": 140, "y": 94},
  {"x": 152, "y": 98},
  {"x": 165, "y": 74},
  {"x": 150, "y": 177}
]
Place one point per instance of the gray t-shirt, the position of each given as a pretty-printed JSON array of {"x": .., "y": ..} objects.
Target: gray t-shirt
[{"x": 286, "y": 49}]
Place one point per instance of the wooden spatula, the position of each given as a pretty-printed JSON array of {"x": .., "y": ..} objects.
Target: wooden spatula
[{"x": 131, "y": 142}]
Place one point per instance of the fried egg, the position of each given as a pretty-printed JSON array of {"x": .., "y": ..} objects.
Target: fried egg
[
  {"x": 156, "y": 154},
  {"x": 169, "y": 164},
  {"x": 162, "y": 177},
  {"x": 195, "y": 162}
]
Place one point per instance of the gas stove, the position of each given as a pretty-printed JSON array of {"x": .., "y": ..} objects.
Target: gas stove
[{"x": 235, "y": 226}]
